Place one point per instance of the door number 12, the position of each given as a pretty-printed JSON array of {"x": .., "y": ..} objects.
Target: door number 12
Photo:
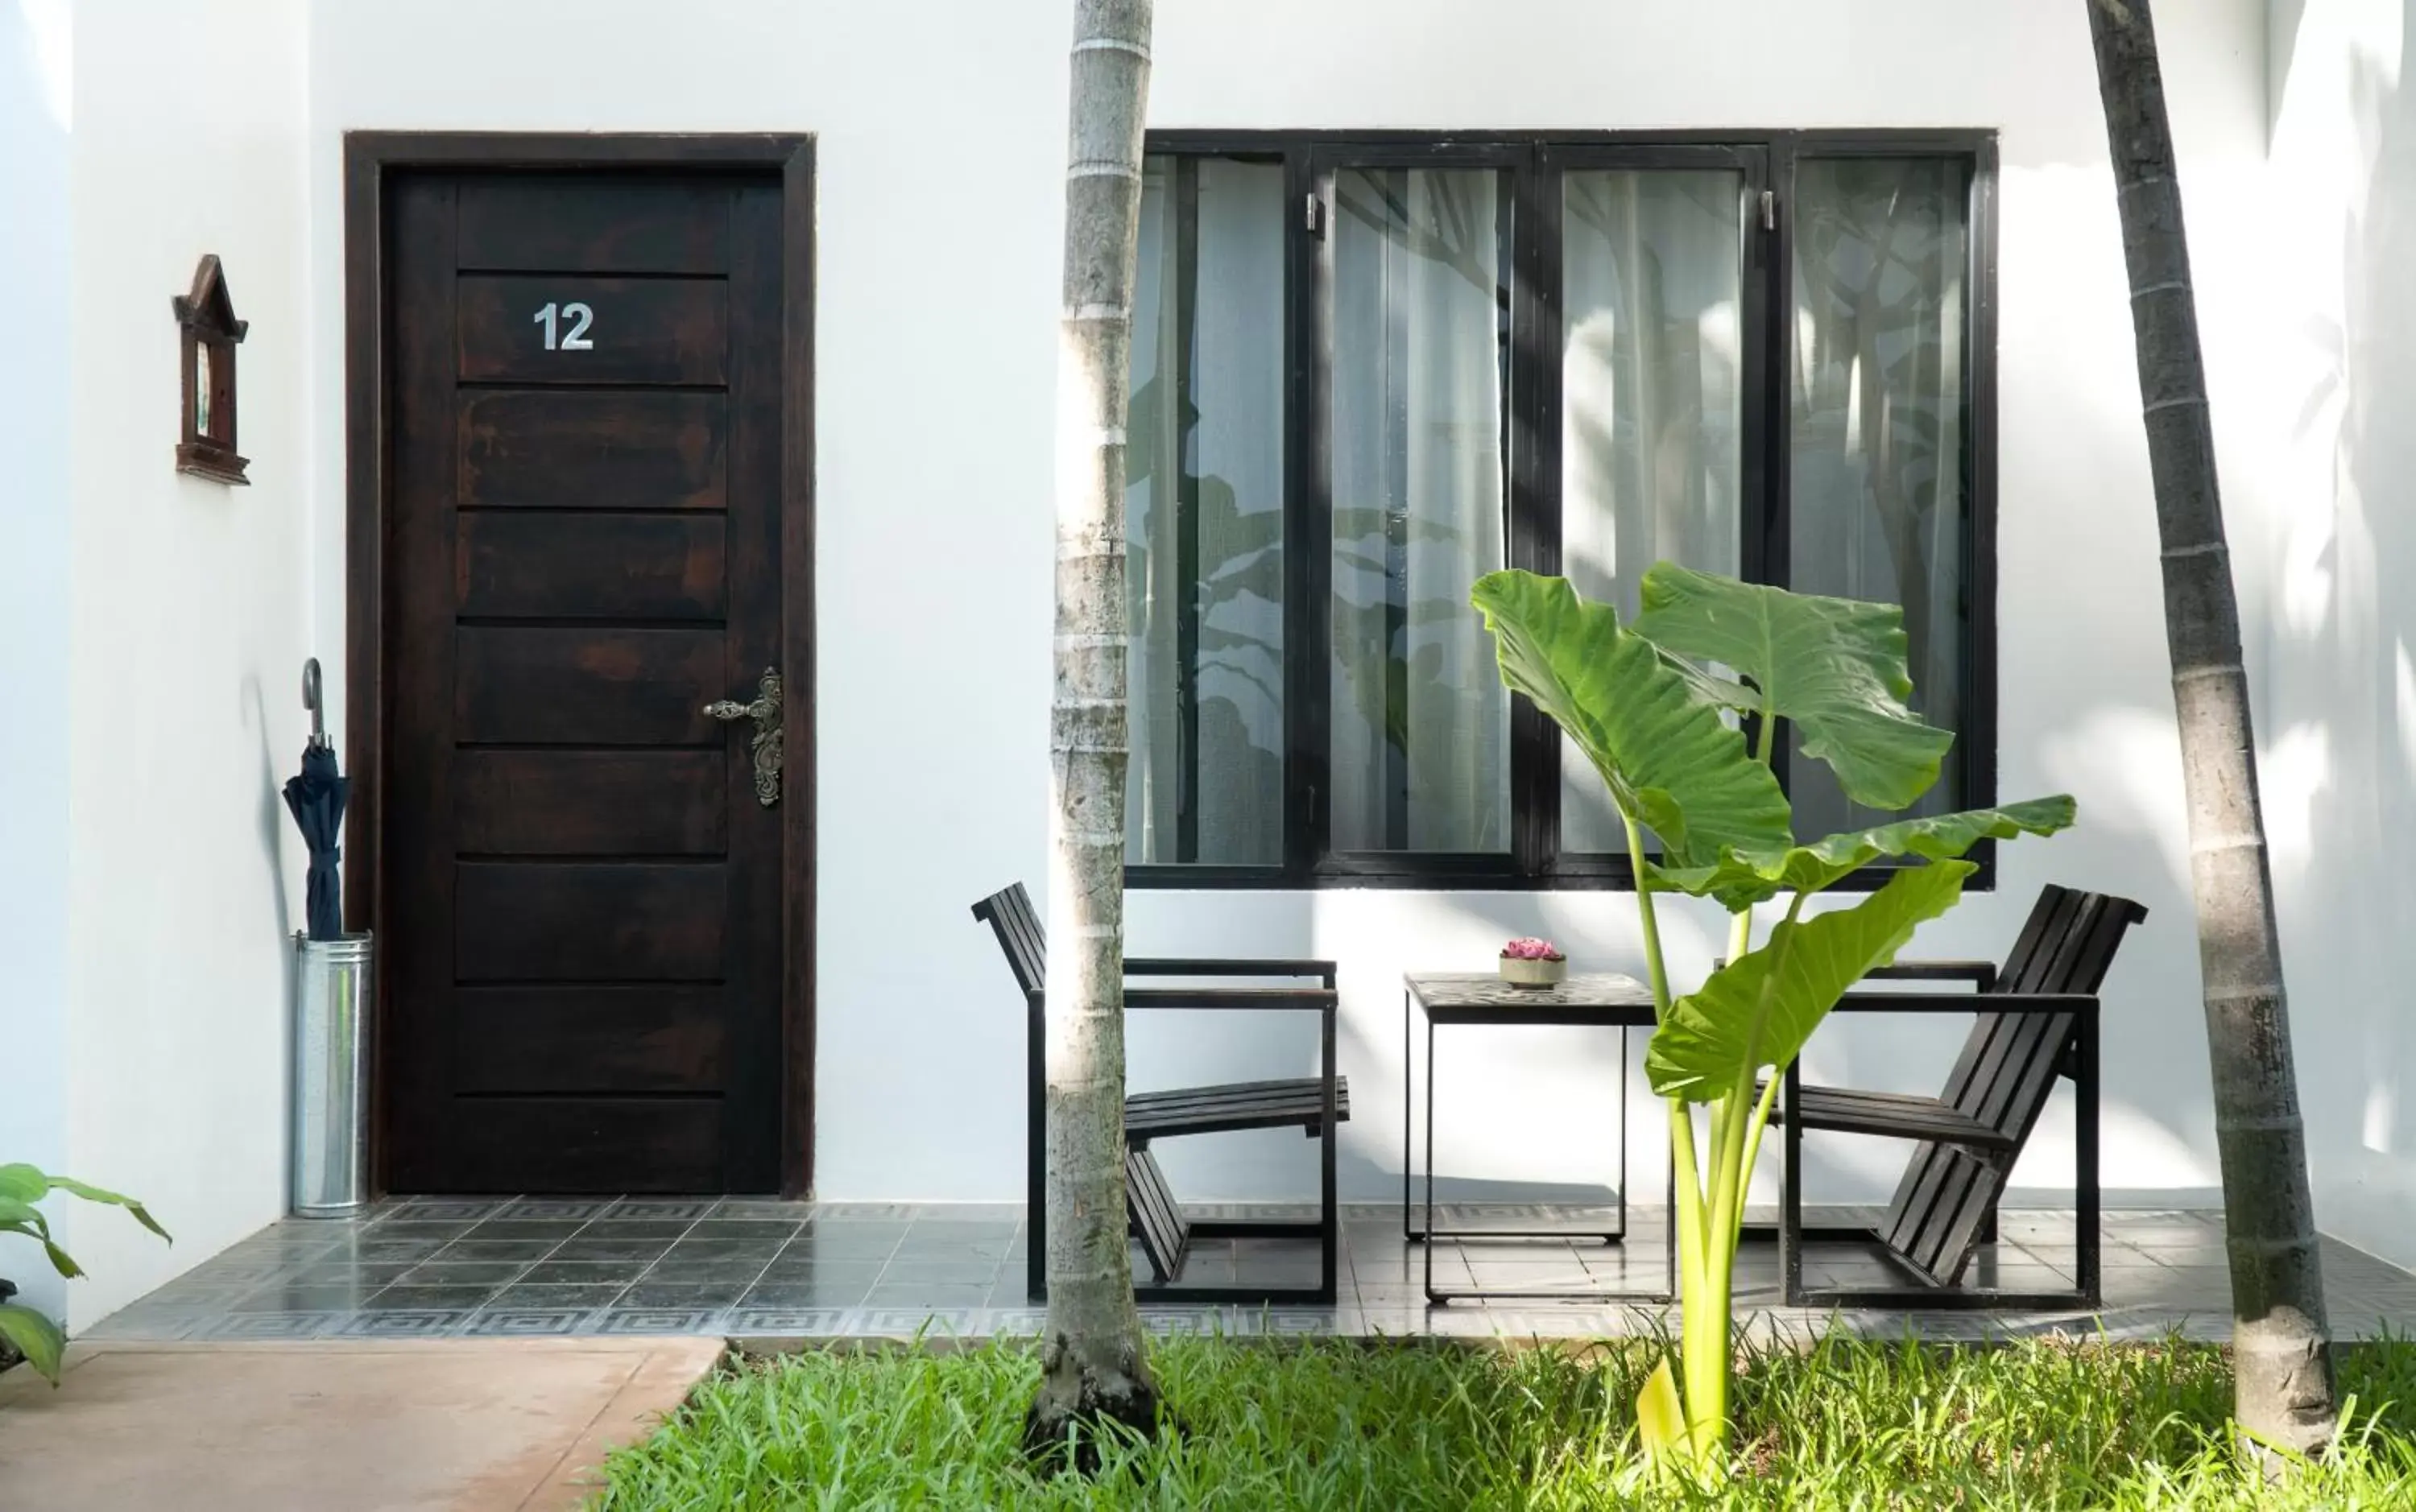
[{"x": 574, "y": 338}]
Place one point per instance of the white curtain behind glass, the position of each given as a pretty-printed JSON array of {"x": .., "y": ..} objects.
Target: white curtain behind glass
[
  {"x": 1651, "y": 272},
  {"x": 1204, "y": 491},
  {"x": 1877, "y": 494},
  {"x": 1420, "y": 721}
]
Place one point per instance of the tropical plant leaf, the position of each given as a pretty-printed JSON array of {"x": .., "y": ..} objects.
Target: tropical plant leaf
[
  {"x": 1670, "y": 763},
  {"x": 35, "y": 1337},
  {"x": 23, "y": 1218},
  {"x": 1833, "y": 666},
  {"x": 25, "y": 1183},
  {"x": 1741, "y": 879},
  {"x": 1660, "y": 1420},
  {"x": 61, "y": 1261},
  {"x": 94, "y": 1195},
  {"x": 1758, "y": 1010}
]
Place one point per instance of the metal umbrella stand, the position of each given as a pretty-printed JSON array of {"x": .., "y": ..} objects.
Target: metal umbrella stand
[{"x": 331, "y": 995}]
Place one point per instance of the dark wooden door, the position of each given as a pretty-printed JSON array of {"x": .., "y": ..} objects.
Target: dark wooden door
[{"x": 584, "y": 890}]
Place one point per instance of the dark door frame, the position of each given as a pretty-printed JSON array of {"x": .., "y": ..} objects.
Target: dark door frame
[{"x": 371, "y": 160}]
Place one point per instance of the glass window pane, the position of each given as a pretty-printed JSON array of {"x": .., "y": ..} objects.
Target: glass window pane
[
  {"x": 1651, "y": 401},
  {"x": 1204, "y": 509},
  {"x": 1419, "y": 722},
  {"x": 1881, "y": 465}
]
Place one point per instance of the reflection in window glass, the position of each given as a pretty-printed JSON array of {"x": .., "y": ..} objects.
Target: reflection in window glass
[
  {"x": 1651, "y": 402},
  {"x": 1419, "y": 722},
  {"x": 1880, "y": 470},
  {"x": 1204, "y": 517}
]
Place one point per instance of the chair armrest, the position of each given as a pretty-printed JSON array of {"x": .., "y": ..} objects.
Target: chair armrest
[
  {"x": 1182, "y": 966},
  {"x": 1967, "y": 1003},
  {"x": 1978, "y": 973},
  {"x": 1306, "y": 998}
]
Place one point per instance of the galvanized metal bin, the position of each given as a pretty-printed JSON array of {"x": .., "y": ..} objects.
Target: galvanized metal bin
[{"x": 331, "y": 1076}]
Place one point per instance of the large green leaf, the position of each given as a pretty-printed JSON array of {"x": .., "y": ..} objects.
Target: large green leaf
[
  {"x": 94, "y": 1194},
  {"x": 1739, "y": 878},
  {"x": 1759, "y": 1009},
  {"x": 1671, "y": 762},
  {"x": 25, "y": 1183},
  {"x": 1835, "y": 666},
  {"x": 35, "y": 1337}
]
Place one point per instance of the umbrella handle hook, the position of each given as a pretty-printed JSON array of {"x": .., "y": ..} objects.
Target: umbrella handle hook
[{"x": 311, "y": 701}]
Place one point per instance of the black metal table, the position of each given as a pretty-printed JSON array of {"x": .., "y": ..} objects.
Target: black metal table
[{"x": 1599, "y": 1000}]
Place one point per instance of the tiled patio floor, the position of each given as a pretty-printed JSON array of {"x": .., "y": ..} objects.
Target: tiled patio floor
[{"x": 532, "y": 1266}]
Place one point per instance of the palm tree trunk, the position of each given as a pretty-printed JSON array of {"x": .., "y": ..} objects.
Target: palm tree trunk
[
  {"x": 2280, "y": 1337},
  {"x": 1095, "y": 1368}
]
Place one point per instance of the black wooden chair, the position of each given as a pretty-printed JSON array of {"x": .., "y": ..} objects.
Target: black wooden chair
[
  {"x": 1314, "y": 1103},
  {"x": 2037, "y": 1022}
]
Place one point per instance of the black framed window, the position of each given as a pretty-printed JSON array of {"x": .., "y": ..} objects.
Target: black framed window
[{"x": 1368, "y": 368}]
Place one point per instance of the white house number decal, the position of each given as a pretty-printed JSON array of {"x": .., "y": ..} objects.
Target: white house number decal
[{"x": 574, "y": 338}]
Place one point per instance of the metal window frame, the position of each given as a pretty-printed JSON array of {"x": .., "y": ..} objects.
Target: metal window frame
[{"x": 1535, "y": 162}]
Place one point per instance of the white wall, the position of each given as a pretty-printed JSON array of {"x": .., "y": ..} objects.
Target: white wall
[
  {"x": 940, "y": 132},
  {"x": 2343, "y": 633},
  {"x": 37, "y": 114},
  {"x": 191, "y": 603}
]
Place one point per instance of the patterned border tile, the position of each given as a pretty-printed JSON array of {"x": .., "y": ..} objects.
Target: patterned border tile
[
  {"x": 415, "y": 1322},
  {"x": 809, "y": 1322},
  {"x": 267, "y": 1325},
  {"x": 677, "y": 1208},
  {"x": 905, "y": 1323},
  {"x": 631, "y": 1320},
  {"x": 556, "y": 1207},
  {"x": 528, "y": 1322}
]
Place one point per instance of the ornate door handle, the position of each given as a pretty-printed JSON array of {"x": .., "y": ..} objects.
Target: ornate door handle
[{"x": 765, "y": 742}]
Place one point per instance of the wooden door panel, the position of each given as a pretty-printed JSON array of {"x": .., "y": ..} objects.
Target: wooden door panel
[
  {"x": 549, "y": 564},
  {"x": 554, "y": 685},
  {"x": 591, "y": 802},
  {"x": 594, "y": 449},
  {"x": 635, "y": 330},
  {"x": 643, "y": 1145},
  {"x": 586, "y": 975},
  {"x": 592, "y": 1040},
  {"x": 588, "y": 922},
  {"x": 574, "y": 226}
]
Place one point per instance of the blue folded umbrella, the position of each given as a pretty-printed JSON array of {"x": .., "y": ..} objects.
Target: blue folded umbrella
[{"x": 316, "y": 797}]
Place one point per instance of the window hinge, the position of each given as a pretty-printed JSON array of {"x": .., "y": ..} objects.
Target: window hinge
[
  {"x": 1312, "y": 214},
  {"x": 1769, "y": 210}
]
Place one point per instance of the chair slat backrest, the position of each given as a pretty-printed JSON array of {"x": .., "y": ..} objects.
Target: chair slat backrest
[
  {"x": 2004, "y": 1075},
  {"x": 1008, "y": 912}
]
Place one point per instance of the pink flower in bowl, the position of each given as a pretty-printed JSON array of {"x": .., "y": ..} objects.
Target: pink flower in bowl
[{"x": 1531, "y": 949}]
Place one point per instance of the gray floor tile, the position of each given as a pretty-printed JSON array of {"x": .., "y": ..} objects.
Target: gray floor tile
[
  {"x": 806, "y": 1295},
  {"x": 526, "y": 1298},
  {"x": 931, "y": 1296},
  {"x": 525, "y": 1251},
  {"x": 683, "y": 1294},
  {"x": 405, "y": 1298},
  {"x": 969, "y": 1271},
  {"x": 603, "y": 1246},
  {"x": 555, "y": 1230},
  {"x": 759, "y": 1207},
  {"x": 471, "y": 1209},
  {"x": 698, "y": 1251},
  {"x": 582, "y": 1272},
  {"x": 442, "y": 1272},
  {"x": 278, "y": 1296}
]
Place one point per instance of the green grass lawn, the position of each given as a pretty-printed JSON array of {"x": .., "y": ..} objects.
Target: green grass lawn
[{"x": 1384, "y": 1427}]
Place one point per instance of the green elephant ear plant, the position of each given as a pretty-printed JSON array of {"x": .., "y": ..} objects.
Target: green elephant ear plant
[
  {"x": 1661, "y": 707},
  {"x": 21, "y": 1187}
]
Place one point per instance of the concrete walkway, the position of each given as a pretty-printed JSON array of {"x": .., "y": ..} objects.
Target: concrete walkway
[{"x": 471, "y": 1423}]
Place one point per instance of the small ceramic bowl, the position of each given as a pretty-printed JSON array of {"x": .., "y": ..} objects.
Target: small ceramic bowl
[{"x": 1547, "y": 971}]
